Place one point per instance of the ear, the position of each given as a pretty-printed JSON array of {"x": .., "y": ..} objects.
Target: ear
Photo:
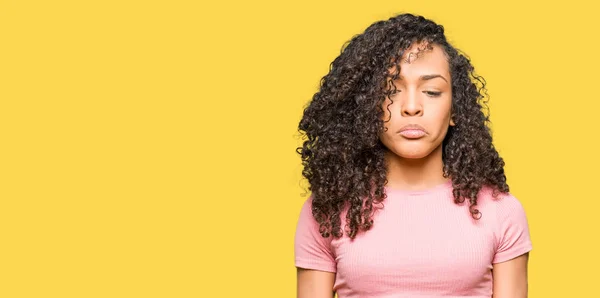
[{"x": 452, "y": 121}]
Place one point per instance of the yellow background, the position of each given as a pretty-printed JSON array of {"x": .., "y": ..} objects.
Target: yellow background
[{"x": 148, "y": 147}]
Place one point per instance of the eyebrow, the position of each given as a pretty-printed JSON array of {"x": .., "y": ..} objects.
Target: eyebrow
[
  {"x": 432, "y": 76},
  {"x": 429, "y": 77}
]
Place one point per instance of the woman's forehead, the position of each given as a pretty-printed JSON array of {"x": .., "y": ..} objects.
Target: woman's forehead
[{"x": 422, "y": 59}]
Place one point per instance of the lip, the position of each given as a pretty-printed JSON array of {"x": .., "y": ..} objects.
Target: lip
[{"x": 412, "y": 131}]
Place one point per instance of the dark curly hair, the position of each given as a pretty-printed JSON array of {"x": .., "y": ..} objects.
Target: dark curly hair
[{"x": 342, "y": 155}]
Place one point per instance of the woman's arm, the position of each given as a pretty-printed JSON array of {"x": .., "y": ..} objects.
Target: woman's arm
[
  {"x": 315, "y": 283},
  {"x": 510, "y": 278}
]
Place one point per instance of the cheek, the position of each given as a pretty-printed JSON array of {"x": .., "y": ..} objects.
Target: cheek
[
  {"x": 387, "y": 136},
  {"x": 388, "y": 141},
  {"x": 444, "y": 118},
  {"x": 442, "y": 114}
]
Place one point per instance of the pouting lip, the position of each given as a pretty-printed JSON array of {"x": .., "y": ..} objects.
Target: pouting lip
[{"x": 412, "y": 127}]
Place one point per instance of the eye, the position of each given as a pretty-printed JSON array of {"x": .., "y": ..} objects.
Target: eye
[{"x": 432, "y": 93}]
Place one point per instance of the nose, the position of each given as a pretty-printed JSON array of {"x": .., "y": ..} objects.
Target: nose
[{"x": 411, "y": 106}]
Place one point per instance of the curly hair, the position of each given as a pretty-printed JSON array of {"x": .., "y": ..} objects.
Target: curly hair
[{"x": 342, "y": 155}]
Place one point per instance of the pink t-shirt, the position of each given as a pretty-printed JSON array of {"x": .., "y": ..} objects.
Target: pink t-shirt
[{"x": 421, "y": 244}]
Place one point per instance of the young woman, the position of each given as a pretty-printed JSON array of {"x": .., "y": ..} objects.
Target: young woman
[{"x": 408, "y": 194}]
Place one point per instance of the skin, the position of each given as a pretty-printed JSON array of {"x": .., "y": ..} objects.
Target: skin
[
  {"x": 423, "y": 97},
  {"x": 510, "y": 278},
  {"x": 314, "y": 283}
]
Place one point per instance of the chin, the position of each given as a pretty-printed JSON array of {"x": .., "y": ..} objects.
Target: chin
[
  {"x": 416, "y": 149},
  {"x": 412, "y": 154}
]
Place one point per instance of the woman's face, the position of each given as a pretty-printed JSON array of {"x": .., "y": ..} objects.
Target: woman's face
[{"x": 419, "y": 113}]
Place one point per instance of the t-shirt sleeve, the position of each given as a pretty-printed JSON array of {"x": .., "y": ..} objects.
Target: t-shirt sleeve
[
  {"x": 512, "y": 233},
  {"x": 311, "y": 250}
]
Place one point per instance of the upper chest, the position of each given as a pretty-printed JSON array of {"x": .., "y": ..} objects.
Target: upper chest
[{"x": 415, "y": 242}]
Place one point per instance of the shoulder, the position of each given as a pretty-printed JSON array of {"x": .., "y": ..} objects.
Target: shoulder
[
  {"x": 307, "y": 224},
  {"x": 498, "y": 203},
  {"x": 501, "y": 210},
  {"x": 510, "y": 224},
  {"x": 311, "y": 249},
  {"x": 306, "y": 217}
]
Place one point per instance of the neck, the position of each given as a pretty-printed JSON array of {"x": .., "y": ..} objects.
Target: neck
[{"x": 415, "y": 174}]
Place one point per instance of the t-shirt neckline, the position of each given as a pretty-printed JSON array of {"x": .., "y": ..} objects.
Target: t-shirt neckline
[{"x": 434, "y": 189}]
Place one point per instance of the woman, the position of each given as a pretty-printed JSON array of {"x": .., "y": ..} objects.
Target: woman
[{"x": 409, "y": 196}]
